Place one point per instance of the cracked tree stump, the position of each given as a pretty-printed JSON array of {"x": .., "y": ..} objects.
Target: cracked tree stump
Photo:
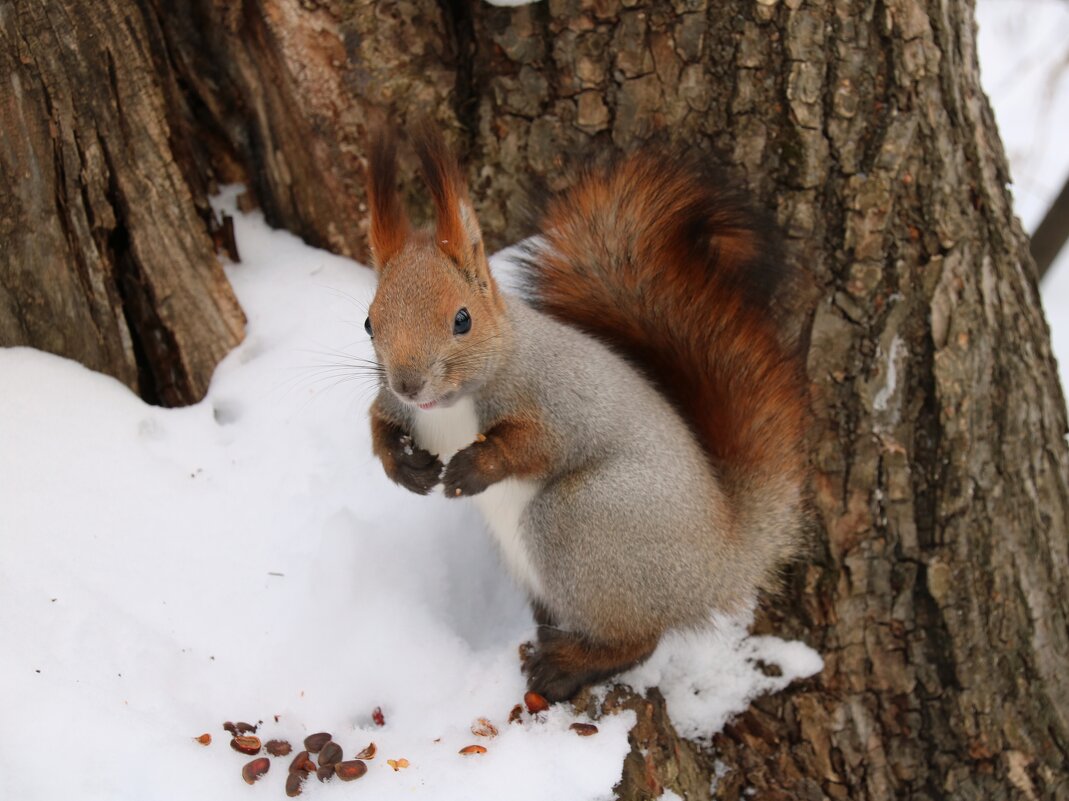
[
  {"x": 935, "y": 587},
  {"x": 104, "y": 256}
]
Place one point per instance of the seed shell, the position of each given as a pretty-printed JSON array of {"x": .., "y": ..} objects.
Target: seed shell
[
  {"x": 535, "y": 702},
  {"x": 368, "y": 752},
  {"x": 255, "y": 769},
  {"x": 302, "y": 763},
  {"x": 350, "y": 769},
  {"x": 246, "y": 744},
  {"x": 483, "y": 728},
  {"x": 279, "y": 748},
  {"x": 314, "y": 742},
  {"x": 330, "y": 754},
  {"x": 293, "y": 783}
]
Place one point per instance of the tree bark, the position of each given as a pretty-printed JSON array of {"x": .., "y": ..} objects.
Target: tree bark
[
  {"x": 105, "y": 258},
  {"x": 935, "y": 584}
]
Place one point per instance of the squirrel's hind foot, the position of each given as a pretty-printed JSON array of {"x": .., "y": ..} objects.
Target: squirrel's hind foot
[{"x": 564, "y": 662}]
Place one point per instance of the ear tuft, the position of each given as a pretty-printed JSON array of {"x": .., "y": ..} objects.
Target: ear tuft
[
  {"x": 389, "y": 224},
  {"x": 457, "y": 230}
]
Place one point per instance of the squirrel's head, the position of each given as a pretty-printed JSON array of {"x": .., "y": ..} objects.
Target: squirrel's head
[{"x": 437, "y": 321}]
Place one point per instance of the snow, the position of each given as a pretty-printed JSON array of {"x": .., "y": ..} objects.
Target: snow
[
  {"x": 165, "y": 570},
  {"x": 887, "y": 391},
  {"x": 1024, "y": 60},
  {"x": 708, "y": 677}
]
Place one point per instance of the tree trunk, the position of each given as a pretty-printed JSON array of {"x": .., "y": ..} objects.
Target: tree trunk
[
  {"x": 935, "y": 583},
  {"x": 105, "y": 258}
]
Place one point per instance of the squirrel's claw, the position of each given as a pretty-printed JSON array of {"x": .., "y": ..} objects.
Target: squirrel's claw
[
  {"x": 415, "y": 469},
  {"x": 463, "y": 475}
]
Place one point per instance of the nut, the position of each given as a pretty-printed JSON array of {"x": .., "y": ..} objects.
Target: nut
[
  {"x": 350, "y": 769},
  {"x": 314, "y": 742},
  {"x": 293, "y": 784},
  {"x": 584, "y": 729},
  {"x": 246, "y": 744},
  {"x": 367, "y": 753},
  {"x": 204, "y": 739},
  {"x": 378, "y": 717},
  {"x": 302, "y": 763},
  {"x": 472, "y": 749},
  {"x": 325, "y": 773},
  {"x": 535, "y": 702},
  {"x": 279, "y": 748},
  {"x": 329, "y": 754},
  {"x": 483, "y": 728},
  {"x": 516, "y": 715},
  {"x": 255, "y": 769}
]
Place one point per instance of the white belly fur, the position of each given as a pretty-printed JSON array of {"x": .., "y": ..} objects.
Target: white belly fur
[{"x": 446, "y": 431}]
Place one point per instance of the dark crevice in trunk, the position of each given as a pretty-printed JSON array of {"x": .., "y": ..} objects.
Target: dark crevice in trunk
[
  {"x": 194, "y": 134},
  {"x": 461, "y": 25},
  {"x": 134, "y": 306},
  {"x": 161, "y": 379}
]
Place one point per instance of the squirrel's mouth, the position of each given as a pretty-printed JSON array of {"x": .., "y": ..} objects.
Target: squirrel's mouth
[{"x": 441, "y": 402}]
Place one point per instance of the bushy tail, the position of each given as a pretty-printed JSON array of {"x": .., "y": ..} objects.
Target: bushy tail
[{"x": 674, "y": 271}]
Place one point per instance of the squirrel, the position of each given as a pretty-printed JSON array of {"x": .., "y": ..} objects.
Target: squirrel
[{"x": 631, "y": 429}]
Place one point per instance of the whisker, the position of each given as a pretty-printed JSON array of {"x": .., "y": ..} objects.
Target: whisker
[
  {"x": 339, "y": 354},
  {"x": 362, "y": 304},
  {"x": 465, "y": 355}
]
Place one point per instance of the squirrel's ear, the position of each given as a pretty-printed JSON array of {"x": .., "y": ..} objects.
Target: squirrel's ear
[
  {"x": 389, "y": 223},
  {"x": 457, "y": 231}
]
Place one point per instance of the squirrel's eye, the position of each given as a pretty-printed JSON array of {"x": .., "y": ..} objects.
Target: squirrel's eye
[
  {"x": 367, "y": 327},
  {"x": 462, "y": 322}
]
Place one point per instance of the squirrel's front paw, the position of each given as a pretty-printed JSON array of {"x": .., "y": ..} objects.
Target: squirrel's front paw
[
  {"x": 467, "y": 473},
  {"x": 412, "y": 467}
]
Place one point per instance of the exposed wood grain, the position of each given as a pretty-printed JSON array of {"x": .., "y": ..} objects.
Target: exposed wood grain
[{"x": 104, "y": 256}]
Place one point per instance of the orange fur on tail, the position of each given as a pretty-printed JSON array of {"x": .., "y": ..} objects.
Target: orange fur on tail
[{"x": 676, "y": 273}]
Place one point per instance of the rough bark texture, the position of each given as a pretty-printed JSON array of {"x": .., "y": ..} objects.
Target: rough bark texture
[
  {"x": 104, "y": 257},
  {"x": 935, "y": 588},
  {"x": 286, "y": 90}
]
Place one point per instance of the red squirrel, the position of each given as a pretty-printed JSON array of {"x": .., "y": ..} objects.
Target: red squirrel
[{"x": 632, "y": 430}]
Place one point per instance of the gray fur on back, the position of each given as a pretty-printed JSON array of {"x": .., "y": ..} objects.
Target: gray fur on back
[{"x": 629, "y": 534}]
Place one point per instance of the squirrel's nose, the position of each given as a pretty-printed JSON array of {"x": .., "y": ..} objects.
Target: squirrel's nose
[{"x": 407, "y": 382}]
